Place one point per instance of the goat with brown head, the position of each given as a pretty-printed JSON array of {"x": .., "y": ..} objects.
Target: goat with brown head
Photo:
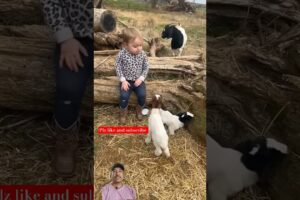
[
  {"x": 156, "y": 101},
  {"x": 157, "y": 131}
]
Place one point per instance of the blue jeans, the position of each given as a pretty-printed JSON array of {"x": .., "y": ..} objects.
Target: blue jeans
[
  {"x": 140, "y": 92},
  {"x": 70, "y": 86}
]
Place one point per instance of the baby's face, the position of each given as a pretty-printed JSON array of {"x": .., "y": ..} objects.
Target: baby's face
[{"x": 135, "y": 46}]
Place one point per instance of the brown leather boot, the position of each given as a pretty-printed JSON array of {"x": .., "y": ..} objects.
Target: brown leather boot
[
  {"x": 123, "y": 115},
  {"x": 138, "y": 111},
  {"x": 65, "y": 149}
]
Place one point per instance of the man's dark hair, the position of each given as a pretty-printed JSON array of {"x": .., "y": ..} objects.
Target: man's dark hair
[{"x": 117, "y": 165}]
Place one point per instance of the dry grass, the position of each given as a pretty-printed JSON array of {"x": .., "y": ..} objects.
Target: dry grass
[
  {"x": 151, "y": 24},
  {"x": 26, "y": 152},
  {"x": 183, "y": 176}
]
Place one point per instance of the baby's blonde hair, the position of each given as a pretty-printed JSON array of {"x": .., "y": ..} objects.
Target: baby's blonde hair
[{"x": 129, "y": 34}]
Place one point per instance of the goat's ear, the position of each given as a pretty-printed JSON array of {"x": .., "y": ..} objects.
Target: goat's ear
[
  {"x": 161, "y": 101},
  {"x": 151, "y": 102},
  {"x": 153, "y": 99}
]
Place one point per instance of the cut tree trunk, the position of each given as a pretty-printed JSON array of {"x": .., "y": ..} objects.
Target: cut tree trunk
[
  {"x": 27, "y": 81},
  {"x": 177, "y": 96},
  {"x": 239, "y": 9},
  {"x": 27, "y": 74},
  {"x": 20, "y": 12},
  {"x": 104, "y": 20},
  {"x": 40, "y": 32},
  {"x": 105, "y": 41},
  {"x": 105, "y": 66}
]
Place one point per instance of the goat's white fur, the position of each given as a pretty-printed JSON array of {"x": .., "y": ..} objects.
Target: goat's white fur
[
  {"x": 226, "y": 173},
  {"x": 184, "y": 40},
  {"x": 172, "y": 121},
  {"x": 157, "y": 133},
  {"x": 272, "y": 143}
]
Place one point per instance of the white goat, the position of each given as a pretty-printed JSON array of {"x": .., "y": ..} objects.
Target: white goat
[
  {"x": 230, "y": 171},
  {"x": 157, "y": 131},
  {"x": 175, "y": 122}
]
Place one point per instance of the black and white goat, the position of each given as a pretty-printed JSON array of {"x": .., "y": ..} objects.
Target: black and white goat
[
  {"x": 178, "y": 35},
  {"x": 231, "y": 170},
  {"x": 175, "y": 122}
]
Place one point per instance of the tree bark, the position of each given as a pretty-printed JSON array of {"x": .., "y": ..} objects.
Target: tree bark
[
  {"x": 105, "y": 41},
  {"x": 40, "y": 32},
  {"x": 238, "y": 9},
  {"x": 27, "y": 74},
  {"x": 20, "y": 12},
  {"x": 105, "y": 66},
  {"x": 177, "y": 96}
]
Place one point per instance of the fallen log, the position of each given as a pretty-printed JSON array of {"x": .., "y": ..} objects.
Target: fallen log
[
  {"x": 193, "y": 58},
  {"x": 239, "y": 9},
  {"x": 105, "y": 41},
  {"x": 42, "y": 32},
  {"x": 27, "y": 82},
  {"x": 177, "y": 96},
  {"x": 107, "y": 52},
  {"x": 20, "y": 12},
  {"x": 27, "y": 74},
  {"x": 105, "y": 66},
  {"x": 104, "y": 20}
]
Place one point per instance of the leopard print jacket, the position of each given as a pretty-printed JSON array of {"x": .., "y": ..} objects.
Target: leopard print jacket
[
  {"x": 69, "y": 18},
  {"x": 131, "y": 67}
]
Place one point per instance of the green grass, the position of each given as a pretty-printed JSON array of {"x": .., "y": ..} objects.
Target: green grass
[
  {"x": 196, "y": 34},
  {"x": 128, "y": 5}
]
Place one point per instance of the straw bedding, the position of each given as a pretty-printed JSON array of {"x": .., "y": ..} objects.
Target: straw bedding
[{"x": 182, "y": 176}]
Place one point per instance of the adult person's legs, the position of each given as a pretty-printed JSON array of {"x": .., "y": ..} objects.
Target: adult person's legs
[{"x": 70, "y": 87}]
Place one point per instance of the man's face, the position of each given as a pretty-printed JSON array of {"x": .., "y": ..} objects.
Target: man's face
[{"x": 117, "y": 175}]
